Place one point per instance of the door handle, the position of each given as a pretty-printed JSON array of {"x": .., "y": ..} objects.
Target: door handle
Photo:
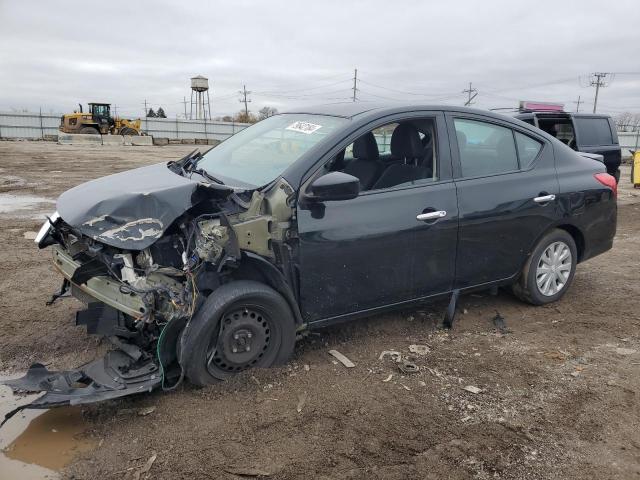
[
  {"x": 431, "y": 215},
  {"x": 544, "y": 198}
]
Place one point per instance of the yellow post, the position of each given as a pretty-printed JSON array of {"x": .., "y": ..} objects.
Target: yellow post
[{"x": 635, "y": 169}]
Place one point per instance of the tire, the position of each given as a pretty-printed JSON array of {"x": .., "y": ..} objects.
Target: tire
[
  {"x": 89, "y": 131},
  {"x": 128, "y": 131},
  {"x": 240, "y": 325},
  {"x": 528, "y": 289}
]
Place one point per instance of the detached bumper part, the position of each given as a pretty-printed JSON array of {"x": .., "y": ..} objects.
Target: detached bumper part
[{"x": 115, "y": 375}]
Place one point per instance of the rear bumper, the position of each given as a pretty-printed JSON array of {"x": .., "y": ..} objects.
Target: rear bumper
[{"x": 101, "y": 288}]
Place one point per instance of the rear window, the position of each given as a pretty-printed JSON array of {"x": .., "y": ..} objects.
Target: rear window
[
  {"x": 528, "y": 149},
  {"x": 485, "y": 148},
  {"x": 593, "y": 131}
]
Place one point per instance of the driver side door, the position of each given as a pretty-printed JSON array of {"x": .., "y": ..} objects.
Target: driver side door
[{"x": 359, "y": 255}]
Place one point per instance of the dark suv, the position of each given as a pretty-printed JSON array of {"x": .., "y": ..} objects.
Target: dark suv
[{"x": 583, "y": 132}]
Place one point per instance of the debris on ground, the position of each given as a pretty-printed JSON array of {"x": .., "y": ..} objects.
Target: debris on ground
[
  {"x": 342, "y": 359},
  {"x": 307, "y": 368},
  {"x": 143, "y": 412},
  {"x": 419, "y": 349},
  {"x": 406, "y": 366},
  {"x": 472, "y": 389},
  {"x": 388, "y": 379},
  {"x": 247, "y": 472},
  {"x": 146, "y": 467},
  {"x": 394, "y": 354},
  {"x": 499, "y": 323},
  {"x": 302, "y": 399}
]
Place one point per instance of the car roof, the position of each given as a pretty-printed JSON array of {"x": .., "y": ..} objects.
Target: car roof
[{"x": 358, "y": 108}]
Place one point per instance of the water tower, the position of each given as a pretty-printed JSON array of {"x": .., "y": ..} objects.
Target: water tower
[{"x": 200, "y": 87}]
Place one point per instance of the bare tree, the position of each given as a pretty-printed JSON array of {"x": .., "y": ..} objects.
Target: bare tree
[
  {"x": 245, "y": 117},
  {"x": 266, "y": 112},
  {"x": 624, "y": 121}
]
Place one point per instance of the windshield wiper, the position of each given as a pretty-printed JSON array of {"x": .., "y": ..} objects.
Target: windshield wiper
[{"x": 206, "y": 175}]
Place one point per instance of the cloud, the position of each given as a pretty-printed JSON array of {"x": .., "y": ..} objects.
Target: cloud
[{"x": 290, "y": 53}]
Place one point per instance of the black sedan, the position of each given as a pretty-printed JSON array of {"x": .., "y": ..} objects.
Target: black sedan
[{"x": 212, "y": 264}]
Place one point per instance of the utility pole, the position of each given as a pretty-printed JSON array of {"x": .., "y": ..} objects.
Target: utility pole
[
  {"x": 145, "y": 108},
  {"x": 115, "y": 110},
  {"x": 470, "y": 97},
  {"x": 578, "y": 104},
  {"x": 355, "y": 83},
  {"x": 184, "y": 101},
  {"x": 598, "y": 81},
  {"x": 244, "y": 100}
]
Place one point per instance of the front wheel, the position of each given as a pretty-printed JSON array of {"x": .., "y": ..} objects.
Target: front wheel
[
  {"x": 240, "y": 325},
  {"x": 549, "y": 270}
]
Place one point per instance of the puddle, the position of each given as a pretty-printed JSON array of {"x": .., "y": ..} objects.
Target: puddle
[
  {"x": 35, "y": 444},
  {"x": 19, "y": 204}
]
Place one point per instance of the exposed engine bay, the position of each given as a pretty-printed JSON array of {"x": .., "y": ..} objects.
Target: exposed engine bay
[{"x": 143, "y": 262}]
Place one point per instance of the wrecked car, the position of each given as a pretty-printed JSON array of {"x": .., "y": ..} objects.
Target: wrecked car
[{"x": 215, "y": 263}]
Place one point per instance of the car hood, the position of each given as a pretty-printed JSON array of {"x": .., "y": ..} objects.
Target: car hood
[{"x": 133, "y": 209}]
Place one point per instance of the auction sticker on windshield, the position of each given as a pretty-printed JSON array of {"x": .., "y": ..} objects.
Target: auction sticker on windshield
[{"x": 304, "y": 127}]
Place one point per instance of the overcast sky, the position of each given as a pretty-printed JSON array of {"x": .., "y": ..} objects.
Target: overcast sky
[{"x": 54, "y": 54}]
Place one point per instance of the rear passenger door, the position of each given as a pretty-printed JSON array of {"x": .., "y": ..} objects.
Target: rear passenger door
[{"x": 506, "y": 182}]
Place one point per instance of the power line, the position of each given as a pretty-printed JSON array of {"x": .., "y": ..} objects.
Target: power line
[
  {"x": 305, "y": 88},
  {"x": 404, "y": 92}
]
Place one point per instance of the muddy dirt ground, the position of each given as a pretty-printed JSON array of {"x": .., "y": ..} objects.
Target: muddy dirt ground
[{"x": 560, "y": 384}]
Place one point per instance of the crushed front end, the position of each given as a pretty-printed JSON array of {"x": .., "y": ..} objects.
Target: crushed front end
[{"x": 142, "y": 275}]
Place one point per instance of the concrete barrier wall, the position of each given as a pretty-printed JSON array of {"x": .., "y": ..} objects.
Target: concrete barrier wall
[{"x": 44, "y": 126}]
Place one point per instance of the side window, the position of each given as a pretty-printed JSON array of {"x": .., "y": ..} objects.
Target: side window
[
  {"x": 392, "y": 155},
  {"x": 485, "y": 148},
  {"x": 593, "y": 131},
  {"x": 528, "y": 149}
]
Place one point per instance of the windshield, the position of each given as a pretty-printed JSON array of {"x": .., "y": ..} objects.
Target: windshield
[{"x": 260, "y": 153}]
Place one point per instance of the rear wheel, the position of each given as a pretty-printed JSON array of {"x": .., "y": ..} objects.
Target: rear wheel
[
  {"x": 128, "y": 131},
  {"x": 89, "y": 131},
  {"x": 240, "y": 325},
  {"x": 549, "y": 271}
]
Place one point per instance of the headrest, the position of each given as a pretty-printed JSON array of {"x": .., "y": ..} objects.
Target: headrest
[
  {"x": 366, "y": 147},
  {"x": 405, "y": 142}
]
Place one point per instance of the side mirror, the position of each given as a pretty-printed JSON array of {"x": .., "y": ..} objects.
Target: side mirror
[{"x": 334, "y": 186}]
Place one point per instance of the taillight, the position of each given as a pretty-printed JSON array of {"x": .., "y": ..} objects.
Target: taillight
[{"x": 608, "y": 181}]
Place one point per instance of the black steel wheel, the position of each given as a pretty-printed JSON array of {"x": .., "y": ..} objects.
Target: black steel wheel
[
  {"x": 240, "y": 325},
  {"x": 244, "y": 336},
  {"x": 128, "y": 131}
]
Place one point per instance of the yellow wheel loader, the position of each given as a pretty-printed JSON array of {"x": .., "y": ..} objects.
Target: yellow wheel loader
[{"x": 98, "y": 120}]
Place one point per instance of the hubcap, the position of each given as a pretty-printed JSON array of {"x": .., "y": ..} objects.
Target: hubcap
[
  {"x": 554, "y": 268},
  {"x": 242, "y": 340}
]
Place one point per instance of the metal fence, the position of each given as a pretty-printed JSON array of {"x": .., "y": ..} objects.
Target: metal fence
[
  {"x": 39, "y": 125},
  {"x": 629, "y": 141},
  {"x": 45, "y": 125}
]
